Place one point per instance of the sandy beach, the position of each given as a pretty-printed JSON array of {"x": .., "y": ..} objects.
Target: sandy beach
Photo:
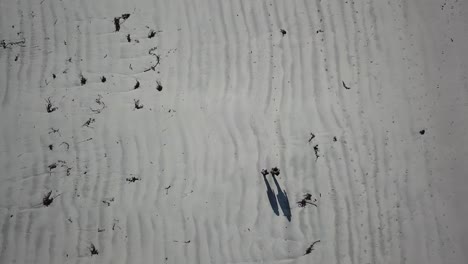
[{"x": 215, "y": 131}]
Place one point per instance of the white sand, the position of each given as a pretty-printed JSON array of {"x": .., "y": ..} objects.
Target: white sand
[{"x": 237, "y": 97}]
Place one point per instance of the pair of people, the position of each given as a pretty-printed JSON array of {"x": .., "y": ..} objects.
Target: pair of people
[{"x": 274, "y": 172}]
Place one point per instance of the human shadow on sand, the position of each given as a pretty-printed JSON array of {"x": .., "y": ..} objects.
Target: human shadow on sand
[
  {"x": 271, "y": 196},
  {"x": 283, "y": 200}
]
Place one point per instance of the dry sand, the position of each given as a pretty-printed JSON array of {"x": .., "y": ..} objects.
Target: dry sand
[{"x": 243, "y": 84}]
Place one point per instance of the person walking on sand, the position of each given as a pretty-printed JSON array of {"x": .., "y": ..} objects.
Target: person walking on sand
[{"x": 275, "y": 171}]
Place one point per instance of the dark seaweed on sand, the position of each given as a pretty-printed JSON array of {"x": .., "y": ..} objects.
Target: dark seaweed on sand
[
  {"x": 93, "y": 250},
  {"x": 311, "y": 247},
  {"x": 50, "y": 107}
]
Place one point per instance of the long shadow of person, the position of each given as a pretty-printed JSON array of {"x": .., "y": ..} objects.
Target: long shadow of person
[
  {"x": 283, "y": 200},
  {"x": 271, "y": 196}
]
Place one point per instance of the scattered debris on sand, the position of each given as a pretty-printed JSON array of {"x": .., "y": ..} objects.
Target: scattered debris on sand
[
  {"x": 50, "y": 107},
  {"x": 83, "y": 80},
  {"x": 48, "y": 199},
  {"x": 158, "y": 59},
  {"x": 311, "y": 247},
  {"x": 100, "y": 103},
  {"x": 52, "y": 166},
  {"x": 316, "y": 150},
  {"x": 306, "y": 200},
  {"x": 89, "y": 122},
  {"x": 137, "y": 104},
  {"x": 303, "y": 203},
  {"x": 118, "y": 22},
  {"x": 344, "y": 85},
  {"x": 10, "y": 44},
  {"x": 159, "y": 87},
  {"x": 93, "y": 250},
  {"x": 85, "y": 140},
  {"x": 66, "y": 145},
  {"x": 108, "y": 201},
  {"x": 125, "y": 16},
  {"x": 133, "y": 179},
  {"x": 151, "y": 34},
  {"x": 53, "y": 131},
  {"x": 186, "y": 242},
  {"x": 167, "y": 189}
]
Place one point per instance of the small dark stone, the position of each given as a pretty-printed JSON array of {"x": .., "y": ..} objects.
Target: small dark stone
[
  {"x": 137, "y": 85},
  {"x": 103, "y": 79},
  {"x": 283, "y": 32},
  {"x": 422, "y": 132}
]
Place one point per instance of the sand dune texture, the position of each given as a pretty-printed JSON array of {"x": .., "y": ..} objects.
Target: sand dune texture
[{"x": 137, "y": 131}]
